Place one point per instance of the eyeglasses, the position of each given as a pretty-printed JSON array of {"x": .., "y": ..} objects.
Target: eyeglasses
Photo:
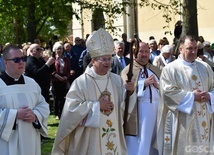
[
  {"x": 105, "y": 60},
  {"x": 18, "y": 60},
  {"x": 77, "y": 40}
]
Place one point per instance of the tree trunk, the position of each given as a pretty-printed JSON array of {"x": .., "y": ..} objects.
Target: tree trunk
[
  {"x": 98, "y": 19},
  {"x": 190, "y": 22},
  {"x": 31, "y": 25},
  {"x": 18, "y": 31}
]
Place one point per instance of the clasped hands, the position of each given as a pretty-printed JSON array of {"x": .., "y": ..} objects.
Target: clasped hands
[
  {"x": 201, "y": 96},
  {"x": 60, "y": 78},
  {"x": 26, "y": 114},
  {"x": 151, "y": 80}
]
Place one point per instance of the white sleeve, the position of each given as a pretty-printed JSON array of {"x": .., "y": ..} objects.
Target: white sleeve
[
  {"x": 186, "y": 104},
  {"x": 93, "y": 117},
  {"x": 7, "y": 120},
  {"x": 210, "y": 105}
]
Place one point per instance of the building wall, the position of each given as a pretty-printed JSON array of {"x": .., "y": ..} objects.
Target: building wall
[
  {"x": 151, "y": 23},
  {"x": 205, "y": 21}
]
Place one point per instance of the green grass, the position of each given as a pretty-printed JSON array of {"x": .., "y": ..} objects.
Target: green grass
[{"x": 52, "y": 129}]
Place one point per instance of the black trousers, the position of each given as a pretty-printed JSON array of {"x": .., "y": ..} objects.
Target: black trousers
[{"x": 59, "y": 97}]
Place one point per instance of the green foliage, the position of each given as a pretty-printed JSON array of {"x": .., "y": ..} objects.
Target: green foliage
[
  {"x": 25, "y": 20},
  {"x": 6, "y": 33},
  {"x": 44, "y": 19},
  {"x": 51, "y": 18},
  {"x": 52, "y": 129}
]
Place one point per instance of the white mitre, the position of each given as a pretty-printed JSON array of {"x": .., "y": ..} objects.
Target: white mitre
[{"x": 100, "y": 43}]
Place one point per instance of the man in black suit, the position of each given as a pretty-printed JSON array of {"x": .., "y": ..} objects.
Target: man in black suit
[
  {"x": 39, "y": 69},
  {"x": 119, "y": 61}
]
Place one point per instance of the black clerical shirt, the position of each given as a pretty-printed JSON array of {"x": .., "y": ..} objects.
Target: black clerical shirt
[{"x": 11, "y": 81}]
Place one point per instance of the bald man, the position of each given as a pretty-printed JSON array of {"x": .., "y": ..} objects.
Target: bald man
[{"x": 39, "y": 70}]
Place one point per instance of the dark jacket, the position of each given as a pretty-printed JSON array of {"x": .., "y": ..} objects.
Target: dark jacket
[
  {"x": 41, "y": 73},
  {"x": 115, "y": 65}
]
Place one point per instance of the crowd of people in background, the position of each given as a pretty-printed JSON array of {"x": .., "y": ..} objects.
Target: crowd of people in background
[
  {"x": 70, "y": 60},
  {"x": 56, "y": 66}
]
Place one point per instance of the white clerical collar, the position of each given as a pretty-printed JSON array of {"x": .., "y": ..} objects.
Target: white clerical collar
[
  {"x": 99, "y": 76},
  {"x": 15, "y": 79},
  {"x": 185, "y": 62}
]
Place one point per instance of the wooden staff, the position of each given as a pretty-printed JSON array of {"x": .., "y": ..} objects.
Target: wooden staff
[{"x": 134, "y": 47}]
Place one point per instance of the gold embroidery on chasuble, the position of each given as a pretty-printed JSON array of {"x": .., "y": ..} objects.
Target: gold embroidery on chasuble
[
  {"x": 108, "y": 121},
  {"x": 167, "y": 138},
  {"x": 201, "y": 117}
]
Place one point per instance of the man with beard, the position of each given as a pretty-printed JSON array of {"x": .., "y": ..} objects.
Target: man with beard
[{"x": 143, "y": 117}]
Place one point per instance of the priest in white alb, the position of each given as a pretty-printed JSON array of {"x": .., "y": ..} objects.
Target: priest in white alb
[
  {"x": 23, "y": 109},
  {"x": 186, "y": 87}
]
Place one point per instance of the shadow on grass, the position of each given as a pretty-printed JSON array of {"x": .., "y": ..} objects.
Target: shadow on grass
[
  {"x": 52, "y": 129},
  {"x": 53, "y": 124}
]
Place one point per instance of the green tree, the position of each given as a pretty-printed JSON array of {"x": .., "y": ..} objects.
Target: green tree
[{"x": 25, "y": 20}]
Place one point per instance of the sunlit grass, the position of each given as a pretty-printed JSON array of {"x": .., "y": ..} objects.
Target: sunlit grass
[{"x": 52, "y": 129}]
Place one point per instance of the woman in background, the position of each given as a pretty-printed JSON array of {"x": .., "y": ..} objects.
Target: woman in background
[{"x": 60, "y": 78}]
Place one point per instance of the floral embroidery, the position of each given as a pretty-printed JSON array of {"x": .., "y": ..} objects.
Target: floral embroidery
[
  {"x": 202, "y": 105},
  {"x": 202, "y": 109},
  {"x": 204, "y": 124},
  {"x": 194, "y": 77},
  {"x": 197, "y": 84},
  {"x": 206, "y": 130},
  {"x": 109, "y": 123},
  {"x": 201, "y": 116},
  {"x": 110, "y": 145},
  {"x": 109, "y": 133}
]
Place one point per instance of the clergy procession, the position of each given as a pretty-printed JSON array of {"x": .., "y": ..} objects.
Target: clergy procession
[{"x": 131, "y": 98}]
